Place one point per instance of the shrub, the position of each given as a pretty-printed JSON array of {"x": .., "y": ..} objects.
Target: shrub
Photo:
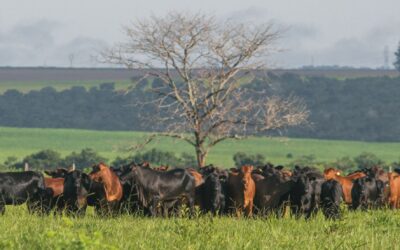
[
  {"x": 345, "y": 164},
  {"x": 10, "y": 162},
  {"x": 304, "y": 160},
  {"x": 40, "y": 160},
  {"x": 86, "y": 158},
  {"x": 241, "y": 159},
  {"x": 367, "y": 160}
]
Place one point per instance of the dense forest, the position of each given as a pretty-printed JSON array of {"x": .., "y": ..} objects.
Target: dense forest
[{"x": 357, "y": 109}]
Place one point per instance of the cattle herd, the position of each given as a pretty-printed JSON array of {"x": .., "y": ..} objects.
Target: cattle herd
[{"x": 248, "y": 191}]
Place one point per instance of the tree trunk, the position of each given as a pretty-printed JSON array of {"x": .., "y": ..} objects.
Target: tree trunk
[{"x": 201, "y": 157}]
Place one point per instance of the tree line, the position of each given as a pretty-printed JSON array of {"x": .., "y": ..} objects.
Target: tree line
[
  {"x": 357, "y": 109},
  {"x": 83, "y": 160}
]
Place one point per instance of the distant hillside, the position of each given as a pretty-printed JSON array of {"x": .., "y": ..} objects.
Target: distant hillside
[{"x": 10, "y": 74}]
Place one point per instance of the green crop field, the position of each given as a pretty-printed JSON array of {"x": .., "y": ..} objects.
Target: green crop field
[
  {"x": 357, "y": 230},
  {"x": 27, "y": 86},
  {"x": 20, "y": 142}
]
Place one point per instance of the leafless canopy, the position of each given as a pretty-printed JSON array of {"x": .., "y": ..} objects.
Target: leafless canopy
[{"x": 202, "y": 65}]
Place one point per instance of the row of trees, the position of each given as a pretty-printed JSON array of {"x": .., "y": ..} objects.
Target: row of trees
[
  {"x": 49, "y": 159},
  {"x": 357, "y": 109},
  {"x": 346, "y": 163}
]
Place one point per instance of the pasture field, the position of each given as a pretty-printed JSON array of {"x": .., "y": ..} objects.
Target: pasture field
[
  {"x": 20, "y": 142},
  {"x": 25, "y": 87},
  {"x": 357, "y": 230},
  {"x": 27, "y": 79}
]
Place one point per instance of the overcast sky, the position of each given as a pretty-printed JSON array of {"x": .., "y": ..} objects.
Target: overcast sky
[{"x": 325, "y": 32}]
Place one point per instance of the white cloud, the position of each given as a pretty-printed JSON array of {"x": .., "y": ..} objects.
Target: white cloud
[
  {"x": 332, "y": 32},
  {"x": 35, "y": 44}
]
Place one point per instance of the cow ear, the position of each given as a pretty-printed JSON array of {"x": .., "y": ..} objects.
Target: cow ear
[
  {"x": 62, "y": 171},
  {"x": 280, "y": 167},
  {"x": 49, "y": 173}
]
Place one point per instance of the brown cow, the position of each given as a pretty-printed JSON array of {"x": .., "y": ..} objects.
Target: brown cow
[
  {"x": 345, "y": 181},
  {"x": 394, "y": 189},
  {"x": 112, "y": 185},
  {"x": 241, "y": 190},
  {"x": 54, "y": 198},
  {"x": 55, "y": 184}
]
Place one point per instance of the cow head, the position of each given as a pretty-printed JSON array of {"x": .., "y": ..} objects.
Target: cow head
[
  {"x": 128, "y": 173},
  {"x": 245, "y": 172},
  {"x": 331, "y": 173},
  {"x": 99, "y": 171}
]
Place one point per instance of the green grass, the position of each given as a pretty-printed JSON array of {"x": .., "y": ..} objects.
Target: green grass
[
  {"x": 365, "y": 230},
  {"x": 25, "y": 87},
  {"x": 20, "y": 142}
]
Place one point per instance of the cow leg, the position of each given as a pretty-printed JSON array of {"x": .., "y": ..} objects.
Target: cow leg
[
  {"x": 165, "y": 209},
  {"x": 31, "y": 205},
  {"x": 294, "y": 211},
  {"x": 82, "y": 211},
  {"x": 221, "y": 207},
  {"x": 59, "y": 206},
  {"x": 2, "y": 208},
  {"x": 191, "y": 201},
  {"x": 249, "y": 209},
  {"x": 308, "y": 214},
  {"x": 154, "y": 206}
]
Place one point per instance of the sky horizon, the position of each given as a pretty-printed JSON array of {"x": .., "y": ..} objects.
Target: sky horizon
[{"x": 47, "y": 33}]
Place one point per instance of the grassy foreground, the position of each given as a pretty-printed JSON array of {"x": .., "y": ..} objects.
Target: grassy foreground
[
  {"x": 365, "y": 230},
  {"x": 20, "y": 142}
]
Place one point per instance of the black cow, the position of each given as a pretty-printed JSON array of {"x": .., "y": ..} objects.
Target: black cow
[
  {"x": 305, "y": 191},
  {"x": 156, "y": 187},
  {"x": 130, "y": 201},
  {"x": 19, "y": 187},
  {"x": 271, "y": 188},
  {"x": 367, "y": 192},
  {"x": 331, "y": 196},
  {"x": 80, "y": 191},
  {"x": 212, "y": 193}
]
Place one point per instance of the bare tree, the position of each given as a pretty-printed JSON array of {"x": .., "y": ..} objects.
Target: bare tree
[{"x": 201, "y": 65}]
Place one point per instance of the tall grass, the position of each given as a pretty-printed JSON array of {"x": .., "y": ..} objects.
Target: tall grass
[{"x": 365, "y": 230}]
